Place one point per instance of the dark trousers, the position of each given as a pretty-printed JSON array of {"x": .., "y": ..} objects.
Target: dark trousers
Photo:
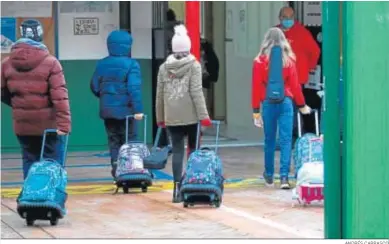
[
  {"x": 178, "y": 134},
  {"x": 31, "y": 149},
  {"x": 116, "y": 132}
]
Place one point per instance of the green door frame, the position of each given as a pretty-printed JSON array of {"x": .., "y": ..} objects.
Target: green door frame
[
  {"x": 365, "y": 209},
  {"x": 356, "y": 173},
  {"x": 331, "y": 75}
]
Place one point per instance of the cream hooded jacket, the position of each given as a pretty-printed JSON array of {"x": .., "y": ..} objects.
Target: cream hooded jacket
[{"x": 180, "y": 99}]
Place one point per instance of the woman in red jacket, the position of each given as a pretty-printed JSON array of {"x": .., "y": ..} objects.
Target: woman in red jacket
[{"x": 279, "y": 113}]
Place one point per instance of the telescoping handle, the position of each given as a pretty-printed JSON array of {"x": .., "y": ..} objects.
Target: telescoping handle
[
  {"x": 299, "y": 126},
  {"x": 158, "y": 137},
  {"x": 311, "y": 141},
  {"x": 214, "y": 122},
  {"x": 54, "y": 131},
  {"x": 128, "y": 117}
]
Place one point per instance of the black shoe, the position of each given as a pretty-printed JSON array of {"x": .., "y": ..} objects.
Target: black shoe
[
  {"x": 20, "y": 195},
  {"x": 176, "y": 193},
  {"x": 268, "y": 180},
  {"x": 113, "y": 170},
  {"x": 285, "y": 184}
]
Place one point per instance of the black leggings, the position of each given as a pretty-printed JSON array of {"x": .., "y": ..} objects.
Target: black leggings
[{"x": 178, "y": 134}]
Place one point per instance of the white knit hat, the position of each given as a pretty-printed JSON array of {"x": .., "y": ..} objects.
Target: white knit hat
[{"x": 180, "y": 41}]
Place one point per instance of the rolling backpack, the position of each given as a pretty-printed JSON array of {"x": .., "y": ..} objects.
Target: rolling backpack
[
  {"x": 203, "y": 181},
  {"x": 130, "y": 171},
  {"x": 275, "y": 91},
  {"x": 43, "y": 194},
  {"x": 308, "y": 147},
  {"x": 309, "y": 165}
]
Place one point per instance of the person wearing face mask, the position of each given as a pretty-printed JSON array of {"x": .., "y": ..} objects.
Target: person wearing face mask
[{"x": 303, "y": 45}]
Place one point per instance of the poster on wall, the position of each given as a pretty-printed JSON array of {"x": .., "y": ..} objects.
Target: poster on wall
[
  {"x": 241, "y": 30},
  {"x": 8, "y": 34},
  {"x": 86, "y": 7},
  {"x": 314, "y": 79},
  {"x": 229, "y": 25},
  {"x": 87, "y": 23},
  {"x": 31, "y": 9},
  {"x": 312, "y": 13},
  {"x": 85, "y": 26}
]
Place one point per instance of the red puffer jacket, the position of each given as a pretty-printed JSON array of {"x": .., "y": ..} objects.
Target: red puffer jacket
[{"x": 33, "y": 84}]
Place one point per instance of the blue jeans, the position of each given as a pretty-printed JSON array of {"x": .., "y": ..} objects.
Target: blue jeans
[
  {"x": 280, "y": 115},
  {"x": 31, "y": 149}
]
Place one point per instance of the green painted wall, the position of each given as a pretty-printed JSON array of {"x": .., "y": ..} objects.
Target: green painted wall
[
  {"x": 366, "y": 70},
  {"x": 88, "y": 131},
  {"x": 9, "y": 143}
]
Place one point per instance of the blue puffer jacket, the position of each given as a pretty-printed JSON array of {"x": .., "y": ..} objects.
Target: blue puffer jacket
[{"x": 117, "y": 79}]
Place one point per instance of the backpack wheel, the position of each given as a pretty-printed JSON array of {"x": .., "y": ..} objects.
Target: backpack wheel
[
  {"x": 54, "y": 221},
  {"x": 125, "y": 190},
  {"x": 144, "y": 189},
  {"x": 217, "y": 204},
  {"x": 29, "y": 221},
  {"x": 186, "y": 205}
]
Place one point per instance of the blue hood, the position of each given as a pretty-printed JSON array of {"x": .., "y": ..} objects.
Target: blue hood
[{"x": 119, "y": 43}]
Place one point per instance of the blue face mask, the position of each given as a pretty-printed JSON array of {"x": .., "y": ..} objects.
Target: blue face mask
[{"x": 287, "y": 23}]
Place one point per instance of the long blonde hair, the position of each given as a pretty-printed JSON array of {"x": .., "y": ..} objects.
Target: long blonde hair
[{"x": 275, "y": 37}]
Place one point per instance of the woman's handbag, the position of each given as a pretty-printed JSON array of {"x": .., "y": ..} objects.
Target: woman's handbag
[{"x": 158, "y": 156}]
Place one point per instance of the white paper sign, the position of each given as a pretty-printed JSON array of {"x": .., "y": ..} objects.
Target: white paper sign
[
  {"x": 84, "y": 28},
  {"x": 314, "y": 79},
  {"x": 312, "y": 13},
  {"x": 229, "y": 24},
  {"x": 241, "y": 30}
]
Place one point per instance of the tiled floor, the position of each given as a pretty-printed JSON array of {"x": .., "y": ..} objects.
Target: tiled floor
[{"x": 248, "y": 211}]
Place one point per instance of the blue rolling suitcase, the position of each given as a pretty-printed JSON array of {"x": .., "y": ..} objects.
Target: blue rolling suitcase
[
  {"x": 43, "y": 195},
  {"x": 308, "y": 147},
  {"x": 130, "y": 171},
  {"x": 203, "y": 181}
]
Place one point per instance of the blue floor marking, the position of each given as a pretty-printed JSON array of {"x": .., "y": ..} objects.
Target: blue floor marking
[
  {"x": 94, "y": 155},
  {"x": 68, "y": 166},
  {"x": 158, "y": 175}
]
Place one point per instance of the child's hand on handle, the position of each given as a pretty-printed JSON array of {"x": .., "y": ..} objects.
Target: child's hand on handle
[
  {"x": 206, "y": 122},
  {"x": 138, "y": 116},
  {"x": 305, "y": 110},
  {"x": 61, "y": 133},
  {"x": 258, "y": 122}
]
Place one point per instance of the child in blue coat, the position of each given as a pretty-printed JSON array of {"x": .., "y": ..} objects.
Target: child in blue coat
[{"x": 117, "y": 83}]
